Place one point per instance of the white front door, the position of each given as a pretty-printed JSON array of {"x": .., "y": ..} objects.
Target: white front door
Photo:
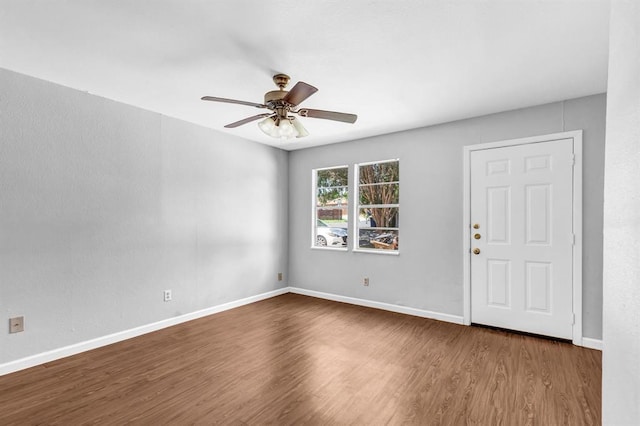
[{"x": 522, "y": 237}]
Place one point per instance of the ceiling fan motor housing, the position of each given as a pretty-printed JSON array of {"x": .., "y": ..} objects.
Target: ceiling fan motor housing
[
  {"x": 274, "y": 101},
  {"x": 274, "y": 96}
]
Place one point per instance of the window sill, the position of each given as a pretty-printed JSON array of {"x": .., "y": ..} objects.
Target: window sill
[
  {"x": 378, "y": 251},
  {"x": 329, "y": 248}
]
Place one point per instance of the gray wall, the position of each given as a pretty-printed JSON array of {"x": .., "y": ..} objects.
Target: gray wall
[
  {"x": 428, "y": 272},
  {"x": 103, "y": 206}
]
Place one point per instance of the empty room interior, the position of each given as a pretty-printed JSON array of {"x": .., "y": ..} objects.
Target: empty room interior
[{"x": 364, "y": 212}]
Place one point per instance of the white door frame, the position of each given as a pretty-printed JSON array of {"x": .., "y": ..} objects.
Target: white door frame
[{"x": 576, "y": 135}]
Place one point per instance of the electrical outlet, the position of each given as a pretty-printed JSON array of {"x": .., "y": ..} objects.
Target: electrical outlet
[
  {"x": 16, "y": 325},
  {"x": 365, "y": 281},
  {"x": 279, "y": 276},
  {"x": 167, "y": 295}
]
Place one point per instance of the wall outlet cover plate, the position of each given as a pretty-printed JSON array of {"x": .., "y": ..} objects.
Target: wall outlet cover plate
[{"x": 16, "y": 325}]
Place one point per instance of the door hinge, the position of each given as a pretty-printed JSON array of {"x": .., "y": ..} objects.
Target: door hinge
[
  {"x": 572, "y": 159},
  {"x": 573, "y": 319}
]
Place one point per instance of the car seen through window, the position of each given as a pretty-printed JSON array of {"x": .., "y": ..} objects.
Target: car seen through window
[{"x": 330, "y": 236}]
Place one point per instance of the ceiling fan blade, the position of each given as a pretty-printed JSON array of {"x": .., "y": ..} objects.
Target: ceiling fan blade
[
  {"x": 299, "y": 93},
  {"x": 247, "y": 120},
  {"x": 232, "y": 101},
  {"x": 328, "y": 115}
]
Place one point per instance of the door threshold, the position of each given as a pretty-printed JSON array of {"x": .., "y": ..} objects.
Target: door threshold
[{"x": 522, "y": 333}]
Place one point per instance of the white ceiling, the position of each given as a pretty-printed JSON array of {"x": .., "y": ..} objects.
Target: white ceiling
[{"x": 397, "y": 64}]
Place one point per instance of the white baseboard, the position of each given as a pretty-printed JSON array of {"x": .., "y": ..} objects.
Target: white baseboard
[
  {"x": 379, "y": 305},
  {"x": 38, "y": 359},
  {"x": 88, "y": 345},
  {"x": 590, "y": 343}
]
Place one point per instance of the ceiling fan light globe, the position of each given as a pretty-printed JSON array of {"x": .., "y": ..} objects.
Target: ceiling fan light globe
[
  {"x": 267, "y": 126},
  {"x": 302, "y": 132},
  {"x": 282, "y": 128},
  {"x": 286, "y": 129},
  {"x": 275, "y": 133}
]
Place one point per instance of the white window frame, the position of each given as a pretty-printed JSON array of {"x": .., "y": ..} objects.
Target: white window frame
[
  {"x": 314, "y": 207},
  {"x": 357, "y": 207}
]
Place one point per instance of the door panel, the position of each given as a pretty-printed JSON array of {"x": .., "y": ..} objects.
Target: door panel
[
  {"x": 538, "y": 286},
  {"x": 521, "y": 199},
  {"x": 499, "y": 282},
  {"x": 498, "y": 215}
]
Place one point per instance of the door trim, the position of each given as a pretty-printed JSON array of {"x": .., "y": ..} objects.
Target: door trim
[{"x": 576, "y": 135}]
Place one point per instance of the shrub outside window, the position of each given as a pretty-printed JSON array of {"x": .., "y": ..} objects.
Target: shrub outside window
[
  {"x": 377, "y": 224},
  {"x": 331, "y": 220}
]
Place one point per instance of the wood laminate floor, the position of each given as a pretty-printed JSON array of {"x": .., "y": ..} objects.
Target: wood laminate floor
[{"x": 299, "y": 360}]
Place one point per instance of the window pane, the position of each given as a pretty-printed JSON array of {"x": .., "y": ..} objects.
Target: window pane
[
  {"x": 376, "y": 238},
  {"x": 384, "y": 193},
  {"x": 332, "y": 214},
  {"x": 379, "y": 172},
  {"x": 332, "y": 196},
  {"x": 333, "y": 177},
  {"x": 330, "y": 234},
  {"x": 386, "y": 217}
]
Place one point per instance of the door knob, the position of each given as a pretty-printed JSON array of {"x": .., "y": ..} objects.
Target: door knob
[
  {"x": 476, "y": 251},
  {"x": 476, "y": 236},
  {"x": 476, "y": 226}
]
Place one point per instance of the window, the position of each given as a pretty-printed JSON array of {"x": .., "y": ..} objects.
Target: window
[
  {"x": 377, "y": 224},
  {"x": 331, "y": 193}
]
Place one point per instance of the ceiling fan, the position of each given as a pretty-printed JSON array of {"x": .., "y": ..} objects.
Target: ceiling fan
[{"x": 278, "y": 123}]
